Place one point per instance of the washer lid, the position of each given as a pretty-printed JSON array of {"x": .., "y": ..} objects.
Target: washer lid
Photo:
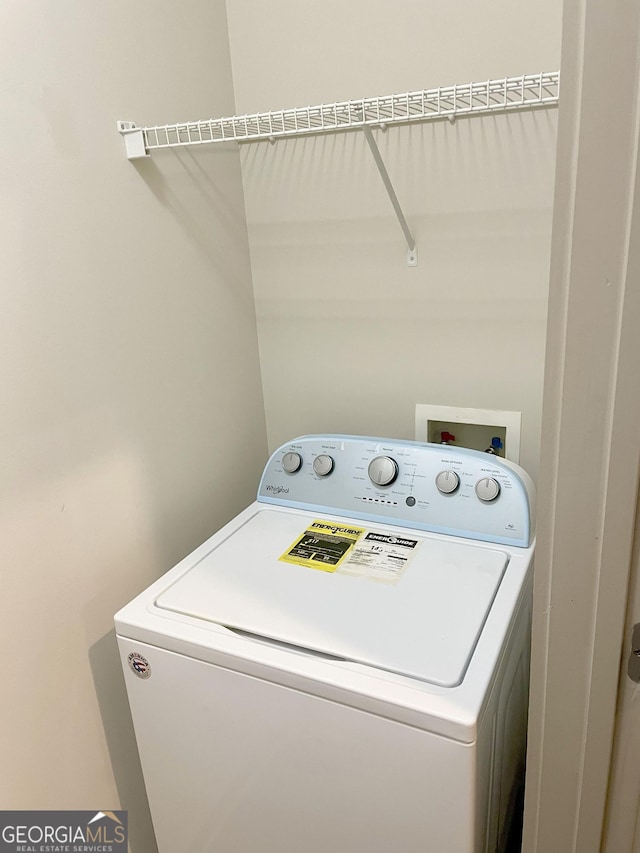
[{"x": 424, "y": 625}]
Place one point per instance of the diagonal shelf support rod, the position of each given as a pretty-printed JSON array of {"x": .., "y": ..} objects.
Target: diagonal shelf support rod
[{"x": 412, "y": 255}]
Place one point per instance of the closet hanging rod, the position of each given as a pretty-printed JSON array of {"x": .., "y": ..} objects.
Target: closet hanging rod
[{"x": 506, "y": 94}]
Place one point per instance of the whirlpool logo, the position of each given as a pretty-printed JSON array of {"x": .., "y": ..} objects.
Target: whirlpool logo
[{"x": 276, "y": 490}]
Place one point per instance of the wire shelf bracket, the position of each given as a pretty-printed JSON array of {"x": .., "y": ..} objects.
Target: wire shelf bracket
[
  {"x": 134, "y": 141},
  {"x": 507, "y": 94}
]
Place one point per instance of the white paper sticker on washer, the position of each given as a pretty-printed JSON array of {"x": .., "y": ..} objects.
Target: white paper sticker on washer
[{"x": 380, "y": 557}]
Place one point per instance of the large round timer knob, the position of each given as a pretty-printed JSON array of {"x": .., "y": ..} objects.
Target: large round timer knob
[
  {"x": 291, "y": 462},
  {"x": 323, "y": 465},
  {"x": 447, "y": 482},
  {"x": 487, "y": 489},
  {"x": 383, "y": 470}
]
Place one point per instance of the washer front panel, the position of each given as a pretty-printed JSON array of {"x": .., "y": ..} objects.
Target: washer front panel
[
  {"x": 414, "y": 497},
  {"x": 236, "y": 763}
]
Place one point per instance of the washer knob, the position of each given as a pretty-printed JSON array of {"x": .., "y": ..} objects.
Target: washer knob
[
  {"x": 291, "y": 462},
  {"x": 487, "y": 489},
  {"x": 447, "y": 482},
  {"x": 383, "y": 470},
  {"x": 323, "y": 465}
]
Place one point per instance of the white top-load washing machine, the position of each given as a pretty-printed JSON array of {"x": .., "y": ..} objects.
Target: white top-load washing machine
[{"x": 344, "y": 666}]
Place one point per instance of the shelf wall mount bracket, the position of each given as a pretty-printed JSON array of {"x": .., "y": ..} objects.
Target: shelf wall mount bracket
[
  {"x": 412, "y": 252},
  {"x": 134, "y": 141}
]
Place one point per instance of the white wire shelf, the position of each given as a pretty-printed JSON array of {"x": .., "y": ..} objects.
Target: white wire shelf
[
  {"x": 509, "y": 93},
  {"x": 529, "y": 91}
]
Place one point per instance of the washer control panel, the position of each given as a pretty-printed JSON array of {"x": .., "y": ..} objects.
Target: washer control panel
[{"x": 432, "y": 487}]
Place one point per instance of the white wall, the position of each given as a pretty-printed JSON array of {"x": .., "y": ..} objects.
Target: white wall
[
  {"x": 132, "y": 417},
  {"x": 350, "y": 337}
]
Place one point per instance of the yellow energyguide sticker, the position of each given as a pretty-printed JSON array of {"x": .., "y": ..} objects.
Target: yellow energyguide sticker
[{"x": 323, "y": 545}]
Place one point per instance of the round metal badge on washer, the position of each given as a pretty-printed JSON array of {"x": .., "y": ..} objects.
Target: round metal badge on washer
[{"x": 139, "y": 665}]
